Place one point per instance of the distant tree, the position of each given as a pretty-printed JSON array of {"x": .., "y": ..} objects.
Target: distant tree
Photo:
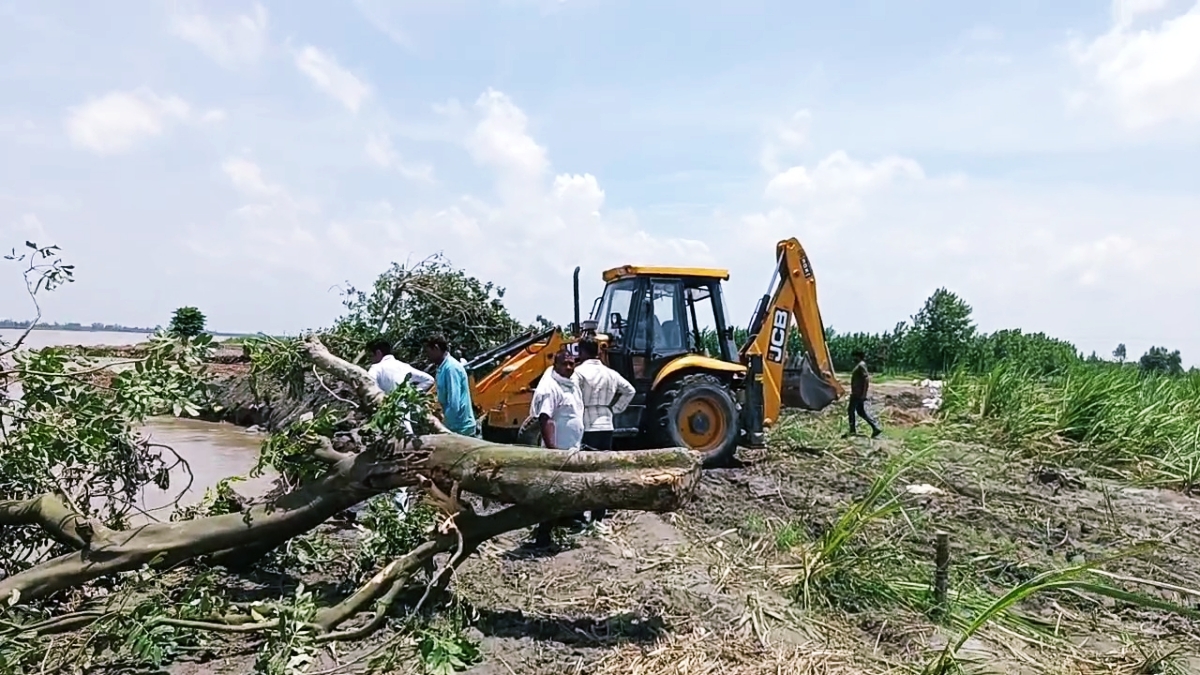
[
  {"x": 408, "y": 303},
  {"x": 187, "y": 322},
  {"x": 1119, "y": 353},
  {"x": 1160, "y": 360},
  {"x": 942, "y": 331}
]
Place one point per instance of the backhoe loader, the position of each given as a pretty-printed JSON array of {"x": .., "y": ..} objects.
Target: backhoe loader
[{"x": 649, "y": 324}]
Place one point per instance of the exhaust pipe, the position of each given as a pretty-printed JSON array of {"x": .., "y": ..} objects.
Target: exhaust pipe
[{"x": 575, "y": 328}]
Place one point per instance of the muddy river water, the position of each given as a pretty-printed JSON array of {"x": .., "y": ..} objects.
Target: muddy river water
[{"x": 212, "y": 451}]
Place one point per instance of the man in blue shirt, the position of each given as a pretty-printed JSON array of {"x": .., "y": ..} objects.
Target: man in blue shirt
[{"x": 453, "y": 389}]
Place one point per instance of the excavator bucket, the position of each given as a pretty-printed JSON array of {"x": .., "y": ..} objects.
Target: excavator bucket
[{"x": 804, "y": 389}]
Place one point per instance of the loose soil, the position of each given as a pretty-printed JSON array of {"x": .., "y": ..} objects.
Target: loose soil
[{"x": 709, "y": 589}]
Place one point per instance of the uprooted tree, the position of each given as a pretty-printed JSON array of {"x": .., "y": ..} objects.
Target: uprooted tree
[{"x": 88, "y": 575}]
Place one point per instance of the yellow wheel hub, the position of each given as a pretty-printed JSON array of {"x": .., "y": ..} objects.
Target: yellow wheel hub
[{"x": 701, "y": 424}]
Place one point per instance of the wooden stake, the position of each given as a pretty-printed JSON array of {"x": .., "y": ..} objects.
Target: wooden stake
[{"x": 941, "y": 574}]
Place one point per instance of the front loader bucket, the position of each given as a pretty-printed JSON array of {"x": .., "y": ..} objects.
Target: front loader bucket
[{"x": 803, "y": 388}]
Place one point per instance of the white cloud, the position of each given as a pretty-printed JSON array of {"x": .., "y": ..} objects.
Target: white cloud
[
  {"x": 830, "y": 195},
  {"x": 377, "y": 14},
  {"x": 1125, "y": 12},
  {"x": 332, "y": 79},
  {"x": 27, "y": 227},
  {"x": 247, "y": 177},
  {"x": 883, "y": 233},
  {"x": 530, "y": 245},
  {"x": 1094, "y": 260},
  {"x": 502, "y": 142},
  {"x": 274, "y": 228},
  {"x": 839, "y": 174},
  {"x": 117, "y": 121},
  {"x": 1150, "y": 74},
  {"x": 380, "y": 151},
  {"x": 231, "y": 42},
  {"x": 784, "y": 140}
]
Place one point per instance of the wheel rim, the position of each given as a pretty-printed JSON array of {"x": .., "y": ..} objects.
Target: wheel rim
[{"x": 701, "y": 423}]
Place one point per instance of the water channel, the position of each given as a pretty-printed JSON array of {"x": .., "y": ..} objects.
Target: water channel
[{"x": 213, "y": 451}]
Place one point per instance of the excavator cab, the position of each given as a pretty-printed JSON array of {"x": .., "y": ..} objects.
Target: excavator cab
[
  {"x": 652, "y": 324},
  {"x": 667, "y": 330}
]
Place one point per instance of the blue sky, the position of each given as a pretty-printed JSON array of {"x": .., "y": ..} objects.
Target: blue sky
[{"x": 1040, "y": 159}]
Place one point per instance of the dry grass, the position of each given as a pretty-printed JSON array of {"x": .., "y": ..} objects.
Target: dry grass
[{"x": 739, "y": 651}]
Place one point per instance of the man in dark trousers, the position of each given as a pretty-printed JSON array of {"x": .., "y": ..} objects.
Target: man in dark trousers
[
  {"x": 605, "y": 393},
  {"x": 860, "y": 380}
]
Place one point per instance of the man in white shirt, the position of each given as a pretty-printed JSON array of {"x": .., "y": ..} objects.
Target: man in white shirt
[
  {"x": 388, "y": 373},
  {"x": 605, "y": 393},
  {"x": 558, "y": 407}
]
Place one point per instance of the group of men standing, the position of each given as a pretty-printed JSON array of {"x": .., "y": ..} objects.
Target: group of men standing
[
  {"x": 573, "y": 404},
  {"x": 453, "y": 388}
]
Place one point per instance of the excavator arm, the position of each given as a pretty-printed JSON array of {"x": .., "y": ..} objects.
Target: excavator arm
[{"x": 791, "y": 299}]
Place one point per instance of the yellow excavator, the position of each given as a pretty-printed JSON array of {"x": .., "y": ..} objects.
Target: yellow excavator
[{"x": 650, "y": 323}]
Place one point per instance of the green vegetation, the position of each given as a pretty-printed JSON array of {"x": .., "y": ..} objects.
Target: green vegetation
[
  {"x": 73, "y": 469},
  {"x": 1160, "y": 361},
  {"x": 187, "y": 322},
  {"x": 868, "y": 561},
  {"x": 1112, "y": 420},
  {"x": 406, "y": 304},
  {"x": 941, "y": 338}
]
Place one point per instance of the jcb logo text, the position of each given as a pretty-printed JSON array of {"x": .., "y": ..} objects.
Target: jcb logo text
[{"x": 779, "y": 326}]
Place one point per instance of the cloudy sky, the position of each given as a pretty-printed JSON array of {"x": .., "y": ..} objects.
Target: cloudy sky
[{"x": 1038, "y": 158}]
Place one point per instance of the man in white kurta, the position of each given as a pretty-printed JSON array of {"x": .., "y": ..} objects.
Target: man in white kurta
[
  {"x": 558, "y": 407},
  {"x": 605, "y": 394}
]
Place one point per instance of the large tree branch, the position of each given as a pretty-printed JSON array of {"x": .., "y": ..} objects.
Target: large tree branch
[
  {"x": 370, "y": 396},
  {"x": 546, "y": 482},
  {"x": 55, "y": 517}
]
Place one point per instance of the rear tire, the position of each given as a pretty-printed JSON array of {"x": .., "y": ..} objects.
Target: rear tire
[{"x": 698, "y": 412}]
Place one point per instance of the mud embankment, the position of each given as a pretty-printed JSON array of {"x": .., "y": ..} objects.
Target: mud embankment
[
  {"x": 234, "y": 399},
  {"x": 222, "y": 354}
]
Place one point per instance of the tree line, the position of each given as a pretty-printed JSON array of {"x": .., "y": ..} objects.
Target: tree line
[
  {"x": 942, "y": 337},
  {"x": 407, "y": 303}
]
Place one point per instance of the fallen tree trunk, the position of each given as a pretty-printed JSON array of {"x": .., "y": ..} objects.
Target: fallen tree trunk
[
  {"x": 547, "y": 482},
  {"x": 540, "y": 484}
]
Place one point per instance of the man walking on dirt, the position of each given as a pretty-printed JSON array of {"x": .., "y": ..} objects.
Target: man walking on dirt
[
  {"x": 860, "y": 380},
  {"x": 453, "y": 388},
  {"x": 557, "y": 406},
  {"x": 605, "y": 393}
]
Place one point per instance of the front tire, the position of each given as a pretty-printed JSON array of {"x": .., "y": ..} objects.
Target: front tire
[{"x": 698, "y": 412}]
